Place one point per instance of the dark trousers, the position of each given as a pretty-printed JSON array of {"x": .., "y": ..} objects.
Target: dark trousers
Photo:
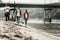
[
  {"x": 7, "y": 16},
  {"x": 25, "y": 21},
  {"x": 18, "y": 19}
]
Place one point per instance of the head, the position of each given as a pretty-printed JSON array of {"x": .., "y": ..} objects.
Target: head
[
  {"x": 6, "y": 4},
  {"x": 18, "y": 7},
  {"x": 25, "y": 10}
]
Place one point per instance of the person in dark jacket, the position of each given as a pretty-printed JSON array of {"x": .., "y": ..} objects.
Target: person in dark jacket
[
  {"x": 26, "y": 16},
  {"x": 18, "y": 14},
  {"x": 7, "y": 12}
]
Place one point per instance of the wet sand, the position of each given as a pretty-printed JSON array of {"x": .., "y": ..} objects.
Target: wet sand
[{"x": 52, "y": 28}]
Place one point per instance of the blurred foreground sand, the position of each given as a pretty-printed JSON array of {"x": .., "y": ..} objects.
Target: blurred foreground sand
[{"x": 13, "y": 31}]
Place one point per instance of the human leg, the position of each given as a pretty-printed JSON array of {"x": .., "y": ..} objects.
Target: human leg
[
  {"x": 25, "y": 21},
  {"x": 6, "y": 16},
  {"x": 17, "y": 19}
]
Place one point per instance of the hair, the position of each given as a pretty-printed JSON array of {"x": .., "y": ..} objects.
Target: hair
[
  {"x": 25, "y": 10},
  {"x": 18, "y": 6},
  {"x": 6, "y": 4}
]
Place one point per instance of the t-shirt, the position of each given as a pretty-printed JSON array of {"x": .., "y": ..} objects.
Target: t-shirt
[
  {"x": 26, "y": 16},
  {"x": 18, "y": 12},
  {"x": 7, "y": 8}
]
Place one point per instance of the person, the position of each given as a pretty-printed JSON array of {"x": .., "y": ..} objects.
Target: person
[
  {"x": 18, "y": 13},
  {"x": 6, "y": 12},
  {"x": 26, "y": 16}
]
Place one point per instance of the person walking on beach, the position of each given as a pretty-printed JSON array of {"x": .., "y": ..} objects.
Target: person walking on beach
[
  {"x": 26, "y": 16},
  {"x": 18, "y": 13},
  {"x": 6, "y": 12}
]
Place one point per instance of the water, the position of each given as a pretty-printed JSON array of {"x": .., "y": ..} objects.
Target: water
[{"x": 52, "y": 28}]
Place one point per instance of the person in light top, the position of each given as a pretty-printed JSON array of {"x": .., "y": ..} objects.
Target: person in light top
[
  {"x": 18, "y": 14},
  {"x": 6, "y": 12},
  {"x": 26, "y": 16}
]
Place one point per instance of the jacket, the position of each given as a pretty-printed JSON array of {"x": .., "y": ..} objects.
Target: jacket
[
  {"x": 25, "y": 15},
  {"x": 20, "y": 13}
]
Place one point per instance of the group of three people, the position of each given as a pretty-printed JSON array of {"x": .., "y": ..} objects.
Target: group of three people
[{"x": 18, "y": 14}]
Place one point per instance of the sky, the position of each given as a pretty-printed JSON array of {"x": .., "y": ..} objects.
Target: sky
[{"x": 31, "y": 1}]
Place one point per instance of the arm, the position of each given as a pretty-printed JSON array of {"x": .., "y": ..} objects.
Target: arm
[
  {"x": 16, "y": 12},
  {"x": 28, "y": 15},
  {"x": 20, "y": 13}
]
